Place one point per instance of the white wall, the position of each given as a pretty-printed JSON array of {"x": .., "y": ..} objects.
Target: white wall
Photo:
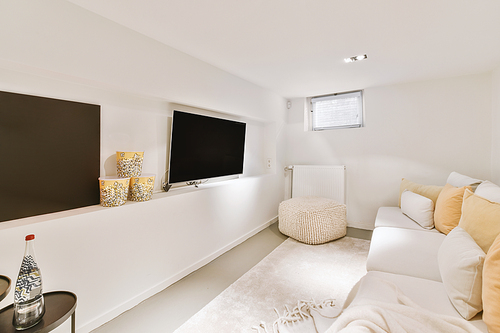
[
  {"x": 495, "y": 139},
  {"x": 113, "y": 258},
  {"x": 421, "y": 131}
]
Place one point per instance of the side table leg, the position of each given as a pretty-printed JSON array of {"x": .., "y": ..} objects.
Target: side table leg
[{"x": 73, "y": 319}]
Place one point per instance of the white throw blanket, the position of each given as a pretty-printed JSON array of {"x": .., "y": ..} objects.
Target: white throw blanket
[
  {"x": 397, "y": 313},
  {"x": 304, "y": 318}
]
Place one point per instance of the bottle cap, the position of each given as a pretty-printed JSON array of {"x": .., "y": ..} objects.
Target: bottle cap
[{"x": 30, "y": 237}]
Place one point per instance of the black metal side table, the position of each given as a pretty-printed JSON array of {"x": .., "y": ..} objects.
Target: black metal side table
[
  {"x": 4, "y": 286},
  {"x": 59, "y": 306}
]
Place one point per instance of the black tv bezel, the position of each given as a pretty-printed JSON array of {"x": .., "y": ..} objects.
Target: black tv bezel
[{"x": 194, "y": 180}]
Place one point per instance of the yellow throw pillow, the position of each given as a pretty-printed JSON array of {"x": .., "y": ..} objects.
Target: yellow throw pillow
[
  {"x": 428, "y": 191},
  {"x": 491, "y": 287},
  {"x": 481, "y": 219},
  {"x": 448, "y": 208}
]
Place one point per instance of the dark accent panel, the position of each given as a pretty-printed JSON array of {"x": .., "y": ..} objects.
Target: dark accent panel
[{"x": 50, "y": 152}]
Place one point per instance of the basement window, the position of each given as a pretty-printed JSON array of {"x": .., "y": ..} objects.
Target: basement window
[{"x": 341, "y": 110}]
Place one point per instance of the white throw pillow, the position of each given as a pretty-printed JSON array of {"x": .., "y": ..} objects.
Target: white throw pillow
[
  {"x": 418, "y": 208},
  {"x": 461, "y": 265},
  {"x": 489, "y": 191},
  {"x": 458, "y": 180}
]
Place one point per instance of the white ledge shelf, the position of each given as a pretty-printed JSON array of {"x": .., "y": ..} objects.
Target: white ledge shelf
[{"x": 184, "y": 190}]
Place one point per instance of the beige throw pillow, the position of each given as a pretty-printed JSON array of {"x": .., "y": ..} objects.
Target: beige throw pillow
[
  {"x": 461, "y": 266},
  {"x": 481, "y": 219},
  {"x": 449, "y": 208},
  {"x": 428, "y": 191},
  {"x": 491, "y": 287}
]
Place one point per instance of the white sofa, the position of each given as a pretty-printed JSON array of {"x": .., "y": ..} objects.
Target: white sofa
[{"x": 407, "y": 255}]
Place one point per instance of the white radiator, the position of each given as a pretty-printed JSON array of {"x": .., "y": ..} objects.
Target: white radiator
[{"x": 326, "y": 181}]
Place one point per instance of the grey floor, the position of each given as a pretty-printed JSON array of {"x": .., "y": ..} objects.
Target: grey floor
[{"x": 170, "y": 308}]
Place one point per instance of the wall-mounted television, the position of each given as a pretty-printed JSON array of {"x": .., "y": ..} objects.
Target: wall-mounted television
[
  {"x": 50, "y": 155},
  {"x": 203, "y": 147}
]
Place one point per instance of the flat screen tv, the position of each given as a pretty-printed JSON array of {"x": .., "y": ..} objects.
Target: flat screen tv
[
  {"x": 50, "y": 155},
  {"x": 203, "y": 147}
]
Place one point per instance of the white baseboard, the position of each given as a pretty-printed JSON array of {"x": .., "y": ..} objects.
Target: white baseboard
[{"x": 121, "y": 308}]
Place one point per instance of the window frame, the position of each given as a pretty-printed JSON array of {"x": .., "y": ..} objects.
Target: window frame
[{"x": 361, "y": 115}]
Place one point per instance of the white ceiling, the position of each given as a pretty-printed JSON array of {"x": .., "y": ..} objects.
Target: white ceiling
[{"x": 296, "y": 47}]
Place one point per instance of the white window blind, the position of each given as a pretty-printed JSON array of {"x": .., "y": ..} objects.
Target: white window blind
[{"x": 342, "y": 110}]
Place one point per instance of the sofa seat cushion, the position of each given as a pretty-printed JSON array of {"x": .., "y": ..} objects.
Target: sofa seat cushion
[
  {"x": 405, "y": 251},
  {"x": 430, "y": 295},
  {"x": 393, "y": 217}
]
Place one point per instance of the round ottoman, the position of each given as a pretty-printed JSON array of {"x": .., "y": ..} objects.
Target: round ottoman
[{"x": 312, "y": 220}]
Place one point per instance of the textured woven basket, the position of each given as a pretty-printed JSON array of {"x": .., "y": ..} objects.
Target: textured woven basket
[{"x": 312, "y": 220}]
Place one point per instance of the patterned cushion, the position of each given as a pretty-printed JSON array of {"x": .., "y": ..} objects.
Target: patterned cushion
[{"x": 312, "y": 220}]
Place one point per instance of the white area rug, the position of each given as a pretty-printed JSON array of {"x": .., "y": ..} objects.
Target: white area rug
[{"x": 293, "y": 271}]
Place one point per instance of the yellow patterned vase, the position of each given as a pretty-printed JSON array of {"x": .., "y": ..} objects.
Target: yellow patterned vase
[
  {"x": 129, "y": 163},
  {"x": 114, "y": 190},
  {"x": 141, "y": 188}
]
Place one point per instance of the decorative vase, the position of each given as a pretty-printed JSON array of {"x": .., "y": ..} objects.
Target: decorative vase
[
  {"x": 29, "y": 306},
  {"x": 113, "y": 191},
  {"x": 141, "y": 188},
  {"x": 129, "y": 164}
]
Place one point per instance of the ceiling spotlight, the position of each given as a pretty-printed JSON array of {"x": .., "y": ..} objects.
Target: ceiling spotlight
[{"x": 356, "y": 58}]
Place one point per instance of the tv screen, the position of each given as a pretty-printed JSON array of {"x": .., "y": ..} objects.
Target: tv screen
[
  {"x": 203, "y": 147},
  {"x": 50, "y": 155}
]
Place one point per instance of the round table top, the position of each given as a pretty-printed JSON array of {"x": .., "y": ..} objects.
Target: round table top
[
  {"x": 59, "y": 306},
  {"x": 4, "y": 286}
]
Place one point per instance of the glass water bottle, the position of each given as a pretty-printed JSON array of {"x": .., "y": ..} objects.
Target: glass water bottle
[{"x": 29, "y": 306}]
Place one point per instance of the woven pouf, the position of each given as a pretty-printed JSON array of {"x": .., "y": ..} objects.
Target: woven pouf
[{"x": 312, "y": 220}]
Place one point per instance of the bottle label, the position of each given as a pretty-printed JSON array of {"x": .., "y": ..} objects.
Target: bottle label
[{"x": 29, "y": 282}]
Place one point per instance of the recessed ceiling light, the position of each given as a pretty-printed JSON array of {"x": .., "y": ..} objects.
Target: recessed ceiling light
[{"x": 356, "y": 58}]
